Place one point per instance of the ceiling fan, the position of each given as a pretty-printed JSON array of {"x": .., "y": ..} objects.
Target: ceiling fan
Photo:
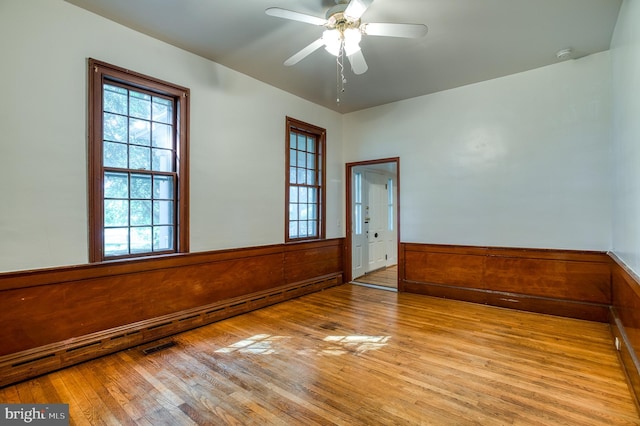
[{"x": 344, "y": 31}]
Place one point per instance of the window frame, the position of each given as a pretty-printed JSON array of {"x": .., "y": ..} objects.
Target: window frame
[
  {"x": 100, "y": 73},
  {"x": 293, "y": 125}
]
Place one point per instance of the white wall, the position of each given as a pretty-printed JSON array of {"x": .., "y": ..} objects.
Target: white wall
[
  {"x": 237, "y": 137},
  {"x": 625, "y": 53},
  {"x": 520, "y": 161}
]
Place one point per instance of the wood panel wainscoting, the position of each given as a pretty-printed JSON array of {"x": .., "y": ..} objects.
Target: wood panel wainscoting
[
  {"x": 575, "y": 284},
  {"x": 56, "y": 317},
  {"x": 625, "y": 320}
]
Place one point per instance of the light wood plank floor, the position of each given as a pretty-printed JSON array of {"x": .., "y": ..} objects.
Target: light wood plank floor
[
  {"x": 387, "y": 277},
  {"x": 354, "y": 355}
]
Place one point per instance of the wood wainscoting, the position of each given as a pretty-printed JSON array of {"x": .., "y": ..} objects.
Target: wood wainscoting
[
  {"x": 625, "y": 320},
  {"x": 575, "y": 284},
  {"x": 53, "y": 318}
]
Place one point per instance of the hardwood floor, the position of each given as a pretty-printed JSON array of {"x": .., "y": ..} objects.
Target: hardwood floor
[
  {"x": 387, "y": 277},
  {"x": 355, "y": 355}
]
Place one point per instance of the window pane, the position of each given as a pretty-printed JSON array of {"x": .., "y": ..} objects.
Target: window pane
[
  {"x": 161, "y": 136},
  {"x": 311, "y": 145},
  {"x": 114, "y": 127},
  {"x": 292, "y": 140},
  {"x": 390, "y": 204},
  {"x": 163, "y": 212},
  {"x": 116, "y": 185},
  {"x": 140, "y": 213},
  {"x": 293, "y": 157},
  {"x": 293, "y": 229},
  {"x": 162, "y": 110},
  {"x": 311, "y": 177},
  {"x": 139, "y": 132},
  {"x": 139, "y": 157},
  {"x": 293, "y": 211},
  {"x": 114, "y": 155},
  {"x": 293, "y": 175},
  {"x": 141, "y": 186},
  {"x": 141, "y": 240},
  {"x": 313, "y": 211},
  {"x": 302, "y": 159},
  {"x": 139, "y": 105},
  {"x": 302, "y": 195},
  {"x": 163, "y": 187},
  {"x": 115, "y": 99},
  {"x": 116, "y": 241},
  {"x": 313, "y": 195},
  {"x": 162, "y": 160},
  {"x": 293, "y": 194},
  {"x": 312, "y": 228},
  {"x": 116, "y": 213},
  {"x": 311, "y": 161},
  {"x": 302, "y": 176},
  {"x": 302, "y": 142},
  {"x": 162, "y": 238},
  {"x": 302, "y": 212},
  {"x": 302, "y": 229}
]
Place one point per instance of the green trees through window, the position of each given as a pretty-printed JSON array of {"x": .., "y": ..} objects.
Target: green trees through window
[
  {"x": 137, "y": 165},
  {"x": 305, "y": 181}
]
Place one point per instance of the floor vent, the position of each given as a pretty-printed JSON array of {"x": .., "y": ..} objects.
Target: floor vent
[{"x": 156, "y": 348}]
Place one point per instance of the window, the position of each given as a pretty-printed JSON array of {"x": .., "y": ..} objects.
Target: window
[
  {"x": 357, "y": 203},
  {"x": 390, "y": 204},
  {"x": 305, "y": 165},
  {"x": 138, "y": 155}
]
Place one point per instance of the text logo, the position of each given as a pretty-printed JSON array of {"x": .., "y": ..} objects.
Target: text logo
[{"x": 34, "y": 414}]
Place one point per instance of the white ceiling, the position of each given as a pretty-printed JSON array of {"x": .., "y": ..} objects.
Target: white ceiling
[{"x": 468, "y": 41}]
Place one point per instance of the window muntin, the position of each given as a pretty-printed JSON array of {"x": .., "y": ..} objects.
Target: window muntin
[
  {"x": 305, "y": 178},
  {"x": 138, "y": 165}
]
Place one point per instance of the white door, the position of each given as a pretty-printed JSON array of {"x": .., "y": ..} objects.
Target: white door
[
  {"x": 358, "y": 236},
  {"x": 376, "y": 220},
  {"x": 392, "y": 233}
]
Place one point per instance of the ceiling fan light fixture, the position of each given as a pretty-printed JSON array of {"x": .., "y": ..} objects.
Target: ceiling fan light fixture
[
  {"x": 332, "y": 40},
  {"x": 352, "y": 37}
]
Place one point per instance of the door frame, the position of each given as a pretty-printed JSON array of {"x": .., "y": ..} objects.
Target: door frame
[{"x": 349, "y": 217}]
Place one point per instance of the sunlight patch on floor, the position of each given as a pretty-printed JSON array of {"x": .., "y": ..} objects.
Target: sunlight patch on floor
[{"x": 266, "y": 344}]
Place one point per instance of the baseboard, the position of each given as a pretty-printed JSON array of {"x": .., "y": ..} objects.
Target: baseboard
[
  {"x": 30, "y": 363},
  {"x": 625, "y": 321},
  {"x": 542, "y": 305},
  {"x": 627, "y": 356}
]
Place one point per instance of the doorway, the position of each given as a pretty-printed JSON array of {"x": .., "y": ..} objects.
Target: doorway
[{"x": 373, "y": 222}]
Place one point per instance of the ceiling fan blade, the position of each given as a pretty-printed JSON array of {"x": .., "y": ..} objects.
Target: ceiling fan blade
[
  {"x": 358, "y": 64},
  {"x": 395, "y": 30},
  {"x": 356, "y": 8},
  {"x": 294, "y": 16},
  {"x": 304, "y": 52}
]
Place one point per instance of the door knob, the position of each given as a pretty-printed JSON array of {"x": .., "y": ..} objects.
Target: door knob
[{"x": 376, "y": 235}]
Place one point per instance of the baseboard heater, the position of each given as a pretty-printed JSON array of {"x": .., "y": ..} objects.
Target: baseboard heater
[{"x": 31, "y": 363}]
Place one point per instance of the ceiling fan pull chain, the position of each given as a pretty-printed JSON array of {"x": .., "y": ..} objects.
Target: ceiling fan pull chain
[{"x": 341, "y": 80}]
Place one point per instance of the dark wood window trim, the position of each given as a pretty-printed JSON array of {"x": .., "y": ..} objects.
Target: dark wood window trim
[
  {"x": 297, "y": 126},
  {"x": 100, "y": 72}
]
